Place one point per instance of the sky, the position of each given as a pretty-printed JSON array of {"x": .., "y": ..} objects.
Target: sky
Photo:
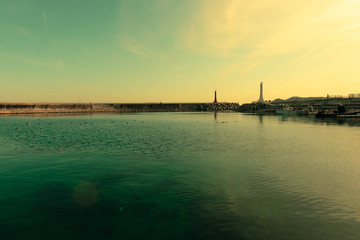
[{"x": 130, "y": 51}]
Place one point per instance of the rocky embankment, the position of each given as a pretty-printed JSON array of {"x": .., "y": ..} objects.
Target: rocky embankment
[{"x": 221, "y": 107}]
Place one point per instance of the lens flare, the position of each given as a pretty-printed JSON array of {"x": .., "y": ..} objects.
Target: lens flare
[{"x": 85, "y": 194}]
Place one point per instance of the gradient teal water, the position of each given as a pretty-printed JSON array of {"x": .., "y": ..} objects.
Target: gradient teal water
[{"x": 179, "y": 176}]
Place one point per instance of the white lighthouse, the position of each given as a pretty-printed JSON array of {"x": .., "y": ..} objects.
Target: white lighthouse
[{"x": 261, "y": 98}]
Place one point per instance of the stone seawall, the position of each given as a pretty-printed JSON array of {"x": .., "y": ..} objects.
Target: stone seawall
[
  {"x": 39, "y": 108},
  {"x": 47, "y": 108}
]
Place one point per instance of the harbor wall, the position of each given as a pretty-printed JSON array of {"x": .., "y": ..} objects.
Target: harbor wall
[{"x": 43, "y": 108}]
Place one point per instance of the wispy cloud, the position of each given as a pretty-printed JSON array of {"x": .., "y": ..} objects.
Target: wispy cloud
[
  {"x": 267, "y": 27},
  {"x": 154, "y": 5},
  {"x": 321, "y": 53},
  {"x": 240, "y": 69},
  {"x": 256, "y": 35},
  {"x": 131, "y": 44},
  {"x": 45, "y": 19},
  {"x": 313, "y": 53},
  {"x": 56, "y": 64},
  {"x": 303, "y": 56},
  {"x": 23, "y": 32}
]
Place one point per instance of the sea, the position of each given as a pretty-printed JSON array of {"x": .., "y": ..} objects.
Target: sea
[{"x": 196, "y": 175}]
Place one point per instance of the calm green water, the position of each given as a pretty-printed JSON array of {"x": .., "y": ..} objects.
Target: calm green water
[{"x": 179, "y": 176}]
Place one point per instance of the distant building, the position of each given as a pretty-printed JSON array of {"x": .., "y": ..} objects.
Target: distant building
[{"x": 354, "y": 95}]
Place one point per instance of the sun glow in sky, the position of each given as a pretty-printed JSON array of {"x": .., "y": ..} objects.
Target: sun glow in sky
[{"x": 177, "y": 50}]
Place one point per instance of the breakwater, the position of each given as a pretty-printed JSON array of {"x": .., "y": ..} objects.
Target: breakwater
[{"x": 50, "y": 108}]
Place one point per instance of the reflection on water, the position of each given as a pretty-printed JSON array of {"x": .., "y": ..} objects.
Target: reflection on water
[
  {"x": 261, "y": 118},
  {"x": 311, "y": 120},
  {"x": 179, "y": 176}
]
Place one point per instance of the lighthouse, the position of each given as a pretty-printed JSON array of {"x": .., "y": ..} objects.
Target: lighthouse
[
  {"x": 215, "y": 99},
  {"x": 261, "y": 98}
]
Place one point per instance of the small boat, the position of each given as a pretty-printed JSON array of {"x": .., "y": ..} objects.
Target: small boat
[
  {"x": 323, "y": 114},
  {"x": 307, "y": 111},
  {"x": 285, "y": 110}
]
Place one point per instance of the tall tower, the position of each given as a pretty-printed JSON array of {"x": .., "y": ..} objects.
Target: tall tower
[
  {"x": 215, "y": 99},
  {"x": 261, "y": 99}
]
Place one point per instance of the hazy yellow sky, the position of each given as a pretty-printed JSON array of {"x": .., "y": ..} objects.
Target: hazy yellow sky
[{"x": 177, "y": 50}]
